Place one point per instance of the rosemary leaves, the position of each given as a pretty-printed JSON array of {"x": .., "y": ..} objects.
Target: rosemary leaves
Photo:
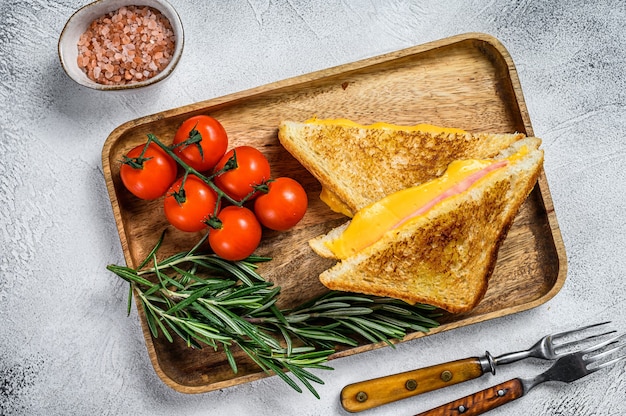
[{"x": 208, "y": 301}]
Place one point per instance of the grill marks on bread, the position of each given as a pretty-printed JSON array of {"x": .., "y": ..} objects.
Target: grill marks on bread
[
  {"x": 445, "y": 257},
  {"x": 450, "y": 248},
  {"x": 362, "y": 165}
]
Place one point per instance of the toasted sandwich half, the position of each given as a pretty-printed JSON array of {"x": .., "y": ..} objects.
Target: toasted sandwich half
[
  {"x": 436, "y": 243},
  {"x": 358, "y": 164}
]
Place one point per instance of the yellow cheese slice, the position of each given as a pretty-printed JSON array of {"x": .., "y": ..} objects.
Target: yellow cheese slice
[{"x": 373, "y": 221}]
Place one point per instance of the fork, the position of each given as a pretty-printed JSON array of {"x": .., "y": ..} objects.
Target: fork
[
  {"x": 567, "y": 369},
  {"x": 376, "y": 392}
]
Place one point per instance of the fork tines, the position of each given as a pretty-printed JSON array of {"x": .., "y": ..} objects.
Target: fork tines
[
  {"x": 578, "y": 330},
  {"x": 604, "y": 354}
]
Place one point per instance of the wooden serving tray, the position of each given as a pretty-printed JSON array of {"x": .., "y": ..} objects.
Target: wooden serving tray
[{"x": 467, "y": 81}]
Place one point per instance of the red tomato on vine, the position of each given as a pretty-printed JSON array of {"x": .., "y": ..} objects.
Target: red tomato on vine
[
  {"x": 252, "y": 169},
  {"x": 239, "y": 233},
  {"x": 200, "y": 142},
  {"x": 283, "y": 206},
  {"x": 147, "y": 172},
  {"x": 189, "y": 209}
]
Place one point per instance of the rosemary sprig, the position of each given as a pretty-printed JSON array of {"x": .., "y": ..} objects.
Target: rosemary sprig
[{"x": 208, "y": 301}]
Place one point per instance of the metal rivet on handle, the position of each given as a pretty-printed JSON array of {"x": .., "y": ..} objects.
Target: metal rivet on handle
[
  {"x": 446, "y": 375},
  {"x": 410, "y": 384},
  {"x": 361, "y": 396},
  {"x": 462, "y": 409}
]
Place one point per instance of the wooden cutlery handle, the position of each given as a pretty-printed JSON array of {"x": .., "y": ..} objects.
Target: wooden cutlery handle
[
  {"x": 480, "y": 402},
  {"x": 371, "y": 393}
]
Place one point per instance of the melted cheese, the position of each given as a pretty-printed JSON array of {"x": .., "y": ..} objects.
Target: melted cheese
[
  {"x": 334, "y": 202},
  {"x": 427, "y": 128},
  {"x": 373, "y": 221}
]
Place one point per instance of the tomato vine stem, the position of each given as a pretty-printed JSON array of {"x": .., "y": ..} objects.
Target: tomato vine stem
[
  {"x": 221, "y": 195},
  {"x": 137, "y": 162}
]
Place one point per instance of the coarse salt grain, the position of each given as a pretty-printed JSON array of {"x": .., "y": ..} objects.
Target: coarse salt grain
[{"x": 126, "y": 46}]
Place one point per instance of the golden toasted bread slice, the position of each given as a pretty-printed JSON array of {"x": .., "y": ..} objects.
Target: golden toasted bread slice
[
  {"x": 358, "y": 164},
  {"x": 444, "y": 253}
]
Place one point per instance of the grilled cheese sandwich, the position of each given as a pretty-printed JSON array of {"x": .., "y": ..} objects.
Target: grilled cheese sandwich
[
  {"x": 359, "y": 164},
  {"x": 435, "y": 243}
]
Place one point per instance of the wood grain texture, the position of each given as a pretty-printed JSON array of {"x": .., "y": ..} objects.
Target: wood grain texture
[
  {"x": 468, "y": 81},
  {"x": 376, "y": 392},
  {"x": 480, "y": 402}
]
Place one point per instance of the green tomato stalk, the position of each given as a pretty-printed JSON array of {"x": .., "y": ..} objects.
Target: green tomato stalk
[{"x": 221, "y": 195}]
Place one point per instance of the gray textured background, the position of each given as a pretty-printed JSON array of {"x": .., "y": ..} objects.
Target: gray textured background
[{"x": 66, "y": 345}]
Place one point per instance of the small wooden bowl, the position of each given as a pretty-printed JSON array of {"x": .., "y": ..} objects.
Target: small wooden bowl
[{"x": 82, "y": 18}]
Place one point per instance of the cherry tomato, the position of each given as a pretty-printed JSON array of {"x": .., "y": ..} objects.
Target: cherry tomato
[
  {"x": 209, "y": 142},
  {"x": 239, "y": 235},
  {"x": 252, "y": 169},
  {"x": 198, "y": 204},
  {"x": 283, "y": 206},
  {"x": 148, "y": 176}
]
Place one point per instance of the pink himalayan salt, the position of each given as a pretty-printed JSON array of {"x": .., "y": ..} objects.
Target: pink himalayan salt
[{"x": 128, "y": 45}]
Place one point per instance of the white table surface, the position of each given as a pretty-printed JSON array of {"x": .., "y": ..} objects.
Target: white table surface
[{"x": 66, "y": 344}]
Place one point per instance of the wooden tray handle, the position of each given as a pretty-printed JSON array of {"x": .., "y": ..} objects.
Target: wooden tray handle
[
  {"x": 371, "y": 393},
  {"x": 480, "y": 402}
]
